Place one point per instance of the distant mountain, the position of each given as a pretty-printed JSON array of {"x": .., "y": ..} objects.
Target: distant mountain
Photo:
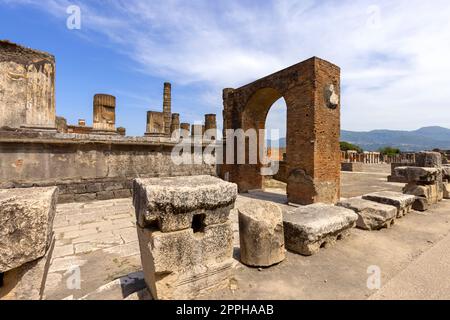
[{"x": 426, "y": 138}]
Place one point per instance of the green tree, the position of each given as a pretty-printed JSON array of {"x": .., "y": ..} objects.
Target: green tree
[
  {"x": 389, "y": 151},
  {"x": 345, "y": 146}
]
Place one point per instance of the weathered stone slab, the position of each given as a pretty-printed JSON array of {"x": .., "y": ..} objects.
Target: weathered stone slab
[
  {"x": 403, "y": 202},
  {"x": 446, "y": 193},
  {"x": 429, "y": 192},
  {"x": 26, "y": 223},
  {"x": 184, "y": 264},
  {"x": 27, "y": 282},
  {"x": 308, "y": 228},
  {"x": 177, "y": 203},
  {"x": 371, "y": 215},
  {"x": 261, "y": 234},
  {"x": 418, "y": 174},
  {"x": 428, "y": 159}
]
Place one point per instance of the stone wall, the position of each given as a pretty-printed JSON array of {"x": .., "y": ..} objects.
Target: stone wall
[
  {"x": 86, "y": 167},
  {"x": 365, "y": 167}
]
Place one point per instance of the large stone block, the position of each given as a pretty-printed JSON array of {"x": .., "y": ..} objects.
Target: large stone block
[
  {"x": 429, "y": 191},
  {"x": 26, "y": 224},
  {"x": 177, "y": 203},
  {"x": 428, "y": 159},
  {"x": 418, "y": 174},
  {"x": 403, "y": 202},
  {"x": 261, "y": 233},
  {"x": 308, "y": 228},
  {"x": 27, "y": 282},
  {"x": 371, "y": 215},
  {"x": 185, "y": 264}
]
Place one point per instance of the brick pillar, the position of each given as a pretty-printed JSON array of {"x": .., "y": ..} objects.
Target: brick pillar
[
  {"x": 211, "y": 125},
  {"x": 167, "y": 106},
  {"x": 185, "y": 129},
  {"x": 175, "y": 123}
]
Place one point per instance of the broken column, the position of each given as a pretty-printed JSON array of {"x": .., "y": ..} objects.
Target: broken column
[
  {"x": 211, "y": 126},
  {"x": 26, "y": 238},
  {"x": 261, "y": 234},
  {"x": 311, "y": 227},
  {"x": 104, "y": 114},
  {"x": 403, "y": 202},
  {"x": 27, "y": 82},
  {"x": 185, "y": 235},
  {"x": 371, "y": 215},
  {"x": 175, "y": 124},
  {"x": 167, "y": 107},
  {"x": 155, "y": 124},
  {"x": 185, "y": 130}
]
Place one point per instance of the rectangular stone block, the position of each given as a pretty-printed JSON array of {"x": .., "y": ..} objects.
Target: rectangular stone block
[
  {"x": 429, "y": 159},
  {"x": 418, "y": 174},
  {"x": 371, "y": 215},
  {"x": 185, "y": 264},
  {"x": 311, "y": 227},
  {"x": 446, "y": 193},
  {"x": 429, "y": 191},
  {"x": 26, "y": 224},
  {"x": 177, "y": 203},
  {"x": 403, "y": 202}
]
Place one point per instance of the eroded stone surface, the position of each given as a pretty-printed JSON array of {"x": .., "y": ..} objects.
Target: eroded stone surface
[
  {"x": 308, "y": 228},
  {"x": 428, "y": 191},
  {"x": 261, "y": 234},
  {"x": 446, "y": 193},
  {"x": 175, "y": 203},
  {"x": 428, "y": 159},
  {"x": 403, "y": 202},
  {"x": 418, "y": 174},
  {"x": 26, "y": 220},
  {"x": 371, "y": 215},
  {"x": 184, "y": 264}
]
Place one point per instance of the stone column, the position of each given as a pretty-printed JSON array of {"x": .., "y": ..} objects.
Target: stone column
[
  {"x": 175, "y": 124},
  {"x": 104, "y": 113},
  {"x": 211, "y": 126},
  {"x": 167, "y": 106},
  {"x": 27, "y": 88},
  {"x": 155, "y": 124},
  {"x": 197, "y": 131},
  {"x": 185, "y": 129}
]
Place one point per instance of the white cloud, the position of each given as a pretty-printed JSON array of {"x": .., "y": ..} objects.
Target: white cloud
[{"x": 393, "y": 55}]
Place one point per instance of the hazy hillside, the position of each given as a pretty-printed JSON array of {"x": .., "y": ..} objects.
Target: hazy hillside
[{"x": 422, "y": 139}]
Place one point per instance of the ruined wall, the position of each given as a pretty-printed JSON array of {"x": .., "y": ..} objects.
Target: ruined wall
[
  {"x": 86, "y": 167},
  {"x": 27, "y": 87}
]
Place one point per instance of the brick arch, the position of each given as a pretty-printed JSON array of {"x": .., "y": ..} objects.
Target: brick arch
[{"x": 311, "y": 90}]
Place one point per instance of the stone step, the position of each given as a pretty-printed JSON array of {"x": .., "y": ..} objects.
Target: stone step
[{"x": 403, "y": 202}]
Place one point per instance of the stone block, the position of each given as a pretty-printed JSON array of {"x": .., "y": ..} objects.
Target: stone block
[
  {"x": 446, "y": 191},
  {"x": 177, "y": 203},
  {"x": 27, "y": 282},
  {"x": 418, "y": 174},
  {"x": 66, "y": 198},
  {"x": 261, "y": 234},
  {"x": 85, "y": 197},
  {"x": 403, "y": 202},
  {"x": 123, "y": 193},
  {"x": 26, "y": 224},
  {"x": 420, "y": 204},
  {"x": 371, "y": 215},
  {"x": 311, "y": 227},
  {"x": 446, "y": 172},
  {"x": 105, "y": 195},
  {"x": 185, "y": 264},
  {"x": 428, "y": 159},
  {"x": 429, "y": 191}
]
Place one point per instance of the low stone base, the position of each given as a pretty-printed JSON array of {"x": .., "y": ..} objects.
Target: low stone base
[
  {"x": 308, "y": 228},
  {"x": 27, "y": 282},
  {"x": 403, "y": 202},
  {"x": 183, "y": 264},
  {"x": 371, "y": 215}
]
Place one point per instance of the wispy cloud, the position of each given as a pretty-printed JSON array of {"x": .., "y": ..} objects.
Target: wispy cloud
[{"x": 393, "y": 54}]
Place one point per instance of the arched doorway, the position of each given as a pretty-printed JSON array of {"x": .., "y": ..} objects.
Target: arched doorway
[{"x": 311, "y": 92}]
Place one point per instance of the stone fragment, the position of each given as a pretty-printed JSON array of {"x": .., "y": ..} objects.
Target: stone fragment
[
  {"x": 308, "y": 228},
  {"x": 177, "y": 203},
  {"x": 26, "y": 223},
  {"x": 428, "y": 191},
  {"x": 420, "y": 204},
  {"x": 185, "y": 264},
  {"x": 403, "y": 202},
  {"x": 428, "y": 159},
  {"x": 417, "y": 174},
  {"x": 446, "y": 172},
  {"x": 261, "y": 234},
  {"x": 371, "y": 215}
]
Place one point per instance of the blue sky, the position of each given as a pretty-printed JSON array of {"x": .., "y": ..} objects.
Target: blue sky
[{"x": 393, "y": 54}]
